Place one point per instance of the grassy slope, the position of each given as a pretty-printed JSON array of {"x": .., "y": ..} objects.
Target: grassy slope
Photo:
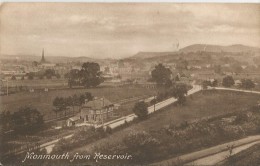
[
  {"x": 43, "y": 100},
  {"x": 202, "y": 104},
  {"x": 250, "y": 157}
]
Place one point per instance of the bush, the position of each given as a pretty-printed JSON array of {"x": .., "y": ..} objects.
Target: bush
[
  {"x": 109, "y": 130},
  {"x": 228, "y": 81},
  {"x": 141, "y": 145},
  {"x": 241, "y": 118},
  {"x": 140, "y": 109}
]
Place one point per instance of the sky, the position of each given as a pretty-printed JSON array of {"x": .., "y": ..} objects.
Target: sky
[{"x": 118, "y": 30}]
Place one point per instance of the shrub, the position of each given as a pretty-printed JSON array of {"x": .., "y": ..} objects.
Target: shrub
[
  {"x": 140, "y": 109},
  {"x": 109, "y": 130}
]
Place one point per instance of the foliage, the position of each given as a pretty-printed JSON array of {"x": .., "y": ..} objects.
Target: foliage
[
  {"x": 61, "y": 103},
  {"x": 83, "y": 136},
  {"x": 30, "y": 75},
  {"x": 140, "y": 109},
  {"x": 25, "y": 120},
  {"x": 182, "y": 64},
  {"x": 247, "y": 84},
  {"x": 141, "y": 145},
  {"x": 205, "y": 84},
  {"x": 228, "y": 81},
  {"x": 161, "y": 75},
  {"x": 179, "y": 91},
  {"x": 214, "y": 83},
  {"x": 49, "y": 73},
  {"x": 88, "y": 76}
]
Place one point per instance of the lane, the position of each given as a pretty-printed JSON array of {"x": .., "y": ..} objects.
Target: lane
[
  {"x": 216, "y": 158},
  {"x": 190, "y": 158},
  {"x": 237, "y": 90}
]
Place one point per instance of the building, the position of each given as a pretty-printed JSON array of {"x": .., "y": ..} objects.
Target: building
[
  {"x": 96, "y": 111},
  {"x": 43, "y": 59}
]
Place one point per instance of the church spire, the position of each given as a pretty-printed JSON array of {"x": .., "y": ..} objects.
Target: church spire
[{"x": 43, "y": 59}]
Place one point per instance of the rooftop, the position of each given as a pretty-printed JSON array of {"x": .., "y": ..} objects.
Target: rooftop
[{"x": 98, "y": 103}]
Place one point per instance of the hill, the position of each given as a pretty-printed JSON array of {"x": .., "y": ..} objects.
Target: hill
[
  {"x": 145, "y": 55},
  {"x": 52, "y": 59},
  {"x": 217, "y": 48}
]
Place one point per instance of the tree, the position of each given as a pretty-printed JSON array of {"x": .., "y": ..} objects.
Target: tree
[
  {"x": 180, "y": 91},
  {"x": 161, "y": 74},
  {"x": 88, "y": 96},
  {"x": 140, "y": 109},
  {"x": 247, "y": 84},
  {"x": 228, "y": 81},
  {"x": 5, "y": 120},
  {"x": 26, "y": 120},
  {"x": 60, "y": 104},
  {"x": 205, "y": 84},
  {"x": 90, "y": 74},
  {"x": 49, "y": 73},
  {"x": 30, "y": 76},
  {"x": 73, "y": 77},
  {"x": 214, "y": 83}
]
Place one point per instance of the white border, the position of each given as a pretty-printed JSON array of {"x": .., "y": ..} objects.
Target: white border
[{"x": 145, "y": 1}]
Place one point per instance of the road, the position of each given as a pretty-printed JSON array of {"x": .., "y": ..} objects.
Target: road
[
  {"x": 212, "y": 155},
  {"x": 217, "y": 158},
  {"x": 237, "y": 90}
]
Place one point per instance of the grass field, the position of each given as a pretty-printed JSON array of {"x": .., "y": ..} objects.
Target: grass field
[
  {"x": 43, "y": 100},
  {"x": 199, "y": 105},
  {"x": 38, "y": 83}
]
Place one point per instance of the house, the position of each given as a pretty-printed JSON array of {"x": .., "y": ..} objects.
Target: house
[
  {"x": 238, "y": 83},
  {"x": 97, "y": 110},
  {"x": 74, "y": 120}
]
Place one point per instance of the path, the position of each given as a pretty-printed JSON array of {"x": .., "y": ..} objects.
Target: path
[
  {"x": 207, "y": 155},
  {"x": 217, "y": 158},
  {"x": 237, "y": 90}
]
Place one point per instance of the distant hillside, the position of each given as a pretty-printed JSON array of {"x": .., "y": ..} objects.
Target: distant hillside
[
  {"x": 145, "y": 55},
  {"x": 52, "y": 59},
  {"x": 218, "y": 48}
]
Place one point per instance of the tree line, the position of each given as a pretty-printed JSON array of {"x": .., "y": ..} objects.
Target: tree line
[
  {"x": 61, "y": 103},
  {"x": 24, "y": 121},
  {"x": 229, "y": 81}
]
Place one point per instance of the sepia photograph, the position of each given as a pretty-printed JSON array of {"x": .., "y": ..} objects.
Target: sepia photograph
[{"x": 129, "y": 84}]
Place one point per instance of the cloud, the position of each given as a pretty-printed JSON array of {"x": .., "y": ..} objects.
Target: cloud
[{"x": 91, "y": 29}]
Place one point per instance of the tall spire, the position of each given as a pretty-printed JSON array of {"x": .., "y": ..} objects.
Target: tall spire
[{"x": 43, "y": 59}]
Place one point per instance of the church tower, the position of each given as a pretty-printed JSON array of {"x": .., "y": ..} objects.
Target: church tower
[{"x": 43, "y": 59}]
